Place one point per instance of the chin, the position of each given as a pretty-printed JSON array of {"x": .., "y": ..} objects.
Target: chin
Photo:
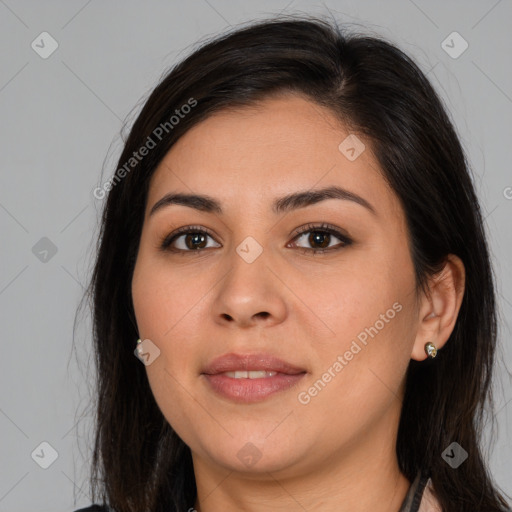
[{"x": 253, "y": 457}]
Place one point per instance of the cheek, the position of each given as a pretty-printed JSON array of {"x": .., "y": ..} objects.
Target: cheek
[
  {"x": 161, "y": 298},
  {"x": 149, "y": 303},
  {"x": 170, "y": 312},
  {"x": 162, "y": 317},
  {"x": 353, "y": 299},
  {"x": 370, "y": 311}
]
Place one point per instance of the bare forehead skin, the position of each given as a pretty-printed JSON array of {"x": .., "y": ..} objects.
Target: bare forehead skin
[{"x": 248, "y": 155}]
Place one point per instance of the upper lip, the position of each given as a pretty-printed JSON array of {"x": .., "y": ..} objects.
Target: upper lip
[{"x": 250, "y": 362}]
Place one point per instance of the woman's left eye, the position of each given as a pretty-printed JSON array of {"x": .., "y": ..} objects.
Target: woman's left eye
[{"x": 320, "y": 238}]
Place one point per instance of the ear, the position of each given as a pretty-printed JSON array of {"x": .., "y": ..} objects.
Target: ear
[{"x": 439, "y": 308}]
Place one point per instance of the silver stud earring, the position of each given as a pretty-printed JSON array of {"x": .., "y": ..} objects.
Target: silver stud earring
[{"x": 430, "y": 350}]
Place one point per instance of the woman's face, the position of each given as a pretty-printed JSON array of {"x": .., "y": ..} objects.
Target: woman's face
[{"x": 257, "y": 283}]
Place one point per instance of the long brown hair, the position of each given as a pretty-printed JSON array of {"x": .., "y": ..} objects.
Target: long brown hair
[{"x": 139, "y": 463}]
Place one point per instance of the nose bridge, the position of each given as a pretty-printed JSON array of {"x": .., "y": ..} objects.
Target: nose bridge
[
  {"x": 250, "y": 235},
  {"x": 250, "y": 249},
  {"x": 249, "y": 261},
  {"x": 249, "y": 287}
]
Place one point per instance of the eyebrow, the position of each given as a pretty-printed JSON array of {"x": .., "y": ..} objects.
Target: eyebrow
[{"x": 283, "y": 204}]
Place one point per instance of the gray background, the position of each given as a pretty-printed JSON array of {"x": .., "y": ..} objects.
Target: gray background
[{"x": 60, "y": 124}]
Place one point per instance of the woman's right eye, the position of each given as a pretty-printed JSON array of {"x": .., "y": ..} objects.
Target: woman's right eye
[{"x": 187, "y": 239}]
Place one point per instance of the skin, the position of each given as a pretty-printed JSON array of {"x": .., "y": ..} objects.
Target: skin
[{"x": 337, "y": 452}]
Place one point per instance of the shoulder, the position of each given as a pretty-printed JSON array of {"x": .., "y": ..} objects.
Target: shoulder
[{"x": 93, "y": 508}]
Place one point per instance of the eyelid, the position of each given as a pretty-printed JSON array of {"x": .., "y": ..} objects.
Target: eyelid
[{"x": 324, "y": 226}]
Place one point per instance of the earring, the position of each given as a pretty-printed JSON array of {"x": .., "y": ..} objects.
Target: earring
[
  {"x": 140, "y": 351},
  {"x": 430, "y": 350}
]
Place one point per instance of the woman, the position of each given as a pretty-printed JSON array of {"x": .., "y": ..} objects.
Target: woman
[{"x": 293, "y": 249}]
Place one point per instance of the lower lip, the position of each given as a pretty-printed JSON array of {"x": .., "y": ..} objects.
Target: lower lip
[{"x": 251, "y": 390}]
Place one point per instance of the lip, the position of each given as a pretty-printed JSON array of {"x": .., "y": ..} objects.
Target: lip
[
  {"x": 251, "y": 390},
  {"x": 250, "y": 362}
]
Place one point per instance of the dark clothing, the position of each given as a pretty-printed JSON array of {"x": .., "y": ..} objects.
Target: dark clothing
[
  {"x": 93, "y": 508},
  {"x": 413, "y": 498}
]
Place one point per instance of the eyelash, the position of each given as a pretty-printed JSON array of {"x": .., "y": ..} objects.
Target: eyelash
[{"x": 165, "y": 243}]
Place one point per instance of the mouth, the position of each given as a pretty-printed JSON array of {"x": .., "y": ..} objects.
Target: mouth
[
  {"x": 252, "y": 374},
  {"x": 250, "y": 378}
]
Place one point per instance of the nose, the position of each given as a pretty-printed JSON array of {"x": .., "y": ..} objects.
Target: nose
[{"x": 250, "y": 294}]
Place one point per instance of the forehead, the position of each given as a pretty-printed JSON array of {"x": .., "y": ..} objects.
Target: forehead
[{"x": 250, "y": 155}]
